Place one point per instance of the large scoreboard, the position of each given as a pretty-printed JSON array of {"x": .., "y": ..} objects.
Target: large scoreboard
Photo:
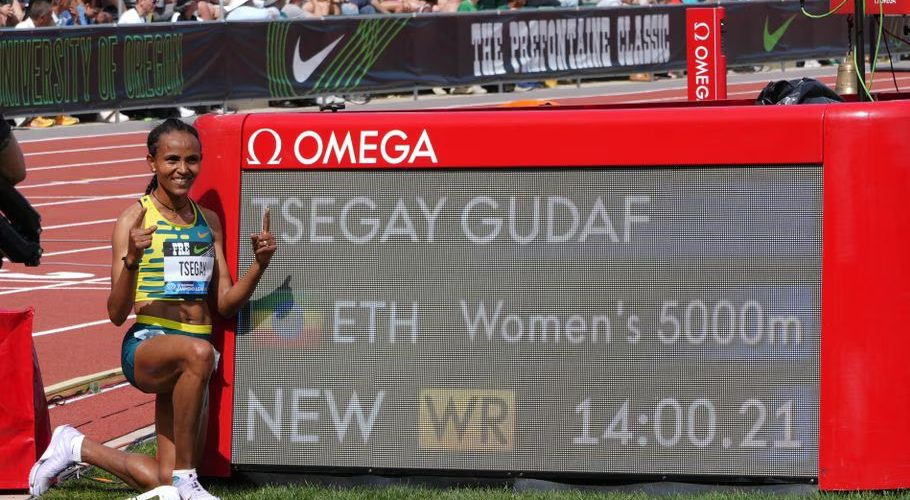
[{"x": 596, "y": 292}]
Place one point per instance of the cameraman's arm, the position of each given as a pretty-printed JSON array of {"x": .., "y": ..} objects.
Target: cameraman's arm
[{"x": 12, "y": 163}]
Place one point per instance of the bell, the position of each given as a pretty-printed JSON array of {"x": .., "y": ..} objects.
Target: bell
[{"x": 846, "y": 76}]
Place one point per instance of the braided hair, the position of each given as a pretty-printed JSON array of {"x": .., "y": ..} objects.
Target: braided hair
[{"x": 165, "y": 127}]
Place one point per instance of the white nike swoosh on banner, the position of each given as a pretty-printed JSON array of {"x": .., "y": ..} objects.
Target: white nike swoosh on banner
[{"x": 303, "y": 69}]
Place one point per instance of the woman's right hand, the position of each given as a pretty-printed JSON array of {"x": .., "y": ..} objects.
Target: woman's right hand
[{"x": 140, "y": 238}]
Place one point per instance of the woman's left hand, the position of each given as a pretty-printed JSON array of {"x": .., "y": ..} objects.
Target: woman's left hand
[{"x": 264, "y": 244}]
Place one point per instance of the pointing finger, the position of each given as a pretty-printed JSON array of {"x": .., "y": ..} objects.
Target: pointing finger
[
  {"x": 140, "y": 219},
  {"x": 266, "y": 220}
]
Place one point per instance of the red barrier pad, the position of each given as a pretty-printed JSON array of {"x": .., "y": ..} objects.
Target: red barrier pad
[
  {"x": 24, "y": 422},
  {"x": 706, "y": 61}
]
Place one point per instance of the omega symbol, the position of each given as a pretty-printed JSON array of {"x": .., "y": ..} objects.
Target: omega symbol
[{"x": 251, "y": 150}]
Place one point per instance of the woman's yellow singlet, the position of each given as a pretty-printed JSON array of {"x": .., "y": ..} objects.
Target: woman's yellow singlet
[{"x": 179, "y": 263}]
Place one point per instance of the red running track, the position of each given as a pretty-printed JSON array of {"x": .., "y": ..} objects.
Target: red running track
[{"x": 80, "y": 185}]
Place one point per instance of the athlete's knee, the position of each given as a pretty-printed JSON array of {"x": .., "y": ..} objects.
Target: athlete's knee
[{"x": 201, "y": 357}]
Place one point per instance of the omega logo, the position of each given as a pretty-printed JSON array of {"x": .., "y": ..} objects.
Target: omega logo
[
  {"x": 701, "y": 31},
  {"x": 360, "y": 147}
]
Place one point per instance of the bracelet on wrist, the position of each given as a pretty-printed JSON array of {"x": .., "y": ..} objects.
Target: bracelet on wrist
[{"x": 130, "y": 267}]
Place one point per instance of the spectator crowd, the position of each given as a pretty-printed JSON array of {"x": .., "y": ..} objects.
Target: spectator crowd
[
  {"x": 41, "y": 13},
  {"x": 30, "y": 14}
]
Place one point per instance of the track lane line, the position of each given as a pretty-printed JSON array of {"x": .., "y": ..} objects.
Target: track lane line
[
  {"x": 77, "y": 224},
  {"x": 76, "y": 137},
  {"x": 84, "y": 150},
  {"x": 88, "y": 164},
  {"x": 89, "y": 200},
  {"x": 77, "y": 250},
  {"x": 90, "y": 180},
  {"x": 62, "y": 329},
  {"x": 55, "y": 285}
]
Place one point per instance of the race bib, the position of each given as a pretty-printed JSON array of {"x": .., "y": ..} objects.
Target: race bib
[{"x": 187, "y": 267}]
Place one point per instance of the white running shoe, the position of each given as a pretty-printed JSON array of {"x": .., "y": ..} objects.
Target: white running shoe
[
  {"x": 56, "y": 458},
  {"x": 190, "y": 489}
]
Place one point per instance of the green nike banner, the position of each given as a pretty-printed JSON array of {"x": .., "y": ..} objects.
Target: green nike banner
[
  {"x": 351, "y": 55},
  {"x": 779, "y": 31}
]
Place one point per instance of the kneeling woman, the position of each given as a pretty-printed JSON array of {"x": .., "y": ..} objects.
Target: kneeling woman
[{"x": 168, "y": 267}]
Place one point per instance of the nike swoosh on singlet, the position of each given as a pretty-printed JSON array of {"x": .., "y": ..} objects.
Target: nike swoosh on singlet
[
  {"x": 771, "y": 39},
  {"x": 200, "y": 250},
  {"x": 303, "y": 69}
]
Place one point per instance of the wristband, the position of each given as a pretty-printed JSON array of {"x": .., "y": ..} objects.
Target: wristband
[{"x": 134, "y": 267}]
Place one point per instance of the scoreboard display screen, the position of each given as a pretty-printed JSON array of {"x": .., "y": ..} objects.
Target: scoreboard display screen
[{"x": 591, "y": 320}]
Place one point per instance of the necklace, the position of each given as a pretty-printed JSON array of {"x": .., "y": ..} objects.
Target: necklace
[{"x": 165, "y": 205}]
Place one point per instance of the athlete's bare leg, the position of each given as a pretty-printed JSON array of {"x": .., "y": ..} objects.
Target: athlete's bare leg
[
  {"x": 180, "y": 366},
  {"x": 164, "y": 427},
  {"x": 137, "y": 470},
  {"x": 203, "y": 429}
]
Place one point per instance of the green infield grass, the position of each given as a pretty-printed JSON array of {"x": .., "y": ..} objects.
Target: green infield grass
[{"x": 97, "y": 484}]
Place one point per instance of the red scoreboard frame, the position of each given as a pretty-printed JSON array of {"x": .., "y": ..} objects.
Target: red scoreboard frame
[{"x": 865, "y": 156}]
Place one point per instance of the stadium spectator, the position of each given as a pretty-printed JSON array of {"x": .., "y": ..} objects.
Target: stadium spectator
[
  {"x": 393, "y": 6},
  {"x": 425, "y": 6},
  {"x": 620, "y": 3},
  {"x": 205, "y": 11},
  {"x": 447, "y": 5},
  {"x": 467, "y": 6},
  {"x": 91, "y": 9},
  {"x": 294, "y": 9},
  {"x": 322, "y": 8},
  {"x": 11, "y": 13},
  {"x": 245, "y": 10},
  {"x": 365, "y": 7},
  {"x": 139, "y": 14},
  {"x": 184, "y": 11},
  {"x": 40, "y": 13},
  {"x": 12, "y": 162},
  {"x": 167, "y": 351},
  {"x": 193, "y": 10},
  {"x": 536, "y": 4},
  {"x": 66, "y": 13},
  {"x": 95, "y": 8},
  {"x": 273, "y": 6},
  {"x": 512, "y": 5}
]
